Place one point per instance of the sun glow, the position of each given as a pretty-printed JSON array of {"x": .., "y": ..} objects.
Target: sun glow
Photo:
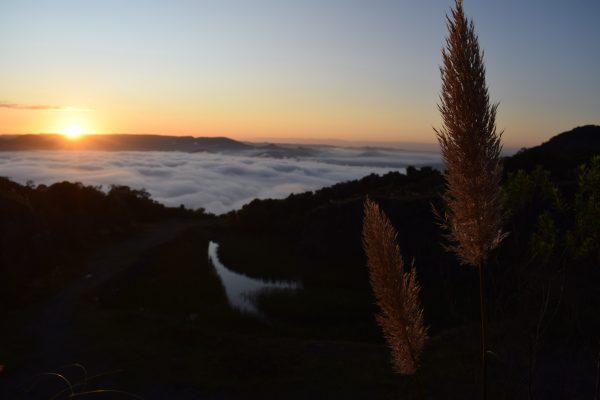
[{"x": 73, "y": 131}]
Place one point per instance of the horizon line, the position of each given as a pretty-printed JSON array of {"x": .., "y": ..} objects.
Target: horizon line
[{"x": 423, "y": 146}]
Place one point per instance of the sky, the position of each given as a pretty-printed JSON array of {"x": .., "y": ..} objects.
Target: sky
[{"x": 285, "y": 70}]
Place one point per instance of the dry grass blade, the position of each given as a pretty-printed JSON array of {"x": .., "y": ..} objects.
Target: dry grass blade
[
  {"x": 102, "y": 392},
  {"x": 79, "y": 387},
  {"x": 54, "y": 375},
  {"x": 396, "y": 291}
]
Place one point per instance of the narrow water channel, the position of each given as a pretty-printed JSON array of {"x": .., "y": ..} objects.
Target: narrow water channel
[{"x": 241, "y": 288}]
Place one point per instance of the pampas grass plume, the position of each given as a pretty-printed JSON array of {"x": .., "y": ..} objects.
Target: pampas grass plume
[
  {"x": 396, "y": 291},
  {"x": 470, "y": 145}
]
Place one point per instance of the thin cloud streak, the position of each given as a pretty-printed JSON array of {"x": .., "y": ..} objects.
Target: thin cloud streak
[{"x": 36, "y": 107}]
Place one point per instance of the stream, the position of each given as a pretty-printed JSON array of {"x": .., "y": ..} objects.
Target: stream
[{"x": 240, "y": 289}]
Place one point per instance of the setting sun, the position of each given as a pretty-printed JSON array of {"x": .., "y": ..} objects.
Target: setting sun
[{"x": 73, "y": 131}]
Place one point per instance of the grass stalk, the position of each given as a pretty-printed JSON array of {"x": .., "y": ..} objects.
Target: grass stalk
[{"x": 483, "y": 309}]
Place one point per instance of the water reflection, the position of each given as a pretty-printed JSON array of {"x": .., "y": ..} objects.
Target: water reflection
[{"x": 240, "y": 288}]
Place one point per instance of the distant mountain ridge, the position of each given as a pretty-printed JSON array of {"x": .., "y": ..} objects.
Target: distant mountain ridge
[
  {"x": 189, "y": 144},
  {"x": 120, "y": 142},
  {"x": 561, "y": 153}
]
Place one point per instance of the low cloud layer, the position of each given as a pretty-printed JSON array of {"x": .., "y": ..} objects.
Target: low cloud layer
[{"x": 216, "y": 182}]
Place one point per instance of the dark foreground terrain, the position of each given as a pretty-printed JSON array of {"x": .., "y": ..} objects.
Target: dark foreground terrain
[{"x": 129, "y": 304}]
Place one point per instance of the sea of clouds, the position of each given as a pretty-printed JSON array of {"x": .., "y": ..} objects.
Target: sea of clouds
[{"x": 217, "y": 182}]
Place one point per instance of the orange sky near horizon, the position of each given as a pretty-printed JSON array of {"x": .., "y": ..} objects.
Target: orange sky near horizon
[
  {"x": 244, "y": 123},
  {"x": 331, "y": 124}
]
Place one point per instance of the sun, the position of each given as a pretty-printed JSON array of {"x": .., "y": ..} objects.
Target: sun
[{"x": 73, "y": 131}]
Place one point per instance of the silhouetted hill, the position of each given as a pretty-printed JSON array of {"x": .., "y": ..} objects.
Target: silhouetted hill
[
  {"x": 561, "y": 153},
  {"x": 543, "y": 205},
  {"x": 325, "y": 226},
  {"x": 327, "y": 220},
  {"x": 44, "y": 230},
  {"x": 121, "y": 142}
]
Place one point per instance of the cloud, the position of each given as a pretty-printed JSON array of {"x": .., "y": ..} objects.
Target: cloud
[
  {"x": 352, "y": 156},
  {"x": 15, "y": 106},
  {"x": 36, "y": 107},
  {"x": 216, "y": 182}
]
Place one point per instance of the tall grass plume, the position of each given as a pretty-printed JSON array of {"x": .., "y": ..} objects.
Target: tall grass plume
[
  {"x": 470, "y": 145},
  {"x": 470, "y": 149},
  {"x": 396, "y": 291}
]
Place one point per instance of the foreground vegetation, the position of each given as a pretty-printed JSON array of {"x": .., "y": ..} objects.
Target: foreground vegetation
[{"x": 162, "y": 327}]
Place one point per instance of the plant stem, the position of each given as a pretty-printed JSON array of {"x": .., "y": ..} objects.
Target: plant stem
[
  {"x": 414, "y": 360},
  {"x": 531, "y": 366},
  {"x": 482, "y": 305},
  {"x": 420, "y": 385},
  {"x": 597, "y": 395}
]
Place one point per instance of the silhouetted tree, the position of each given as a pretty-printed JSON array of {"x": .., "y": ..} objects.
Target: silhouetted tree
[{"x": 587, "y": 211}]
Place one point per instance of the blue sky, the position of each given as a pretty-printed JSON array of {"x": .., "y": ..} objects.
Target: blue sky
[{"x": 328, "y": 69}]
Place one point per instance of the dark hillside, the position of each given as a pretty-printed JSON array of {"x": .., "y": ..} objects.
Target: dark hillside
[
  {"x": 544, "y": 210},
  {"x": 46, "y": 230},
  {"x": 561, "y": 153},
  {"x": 323, "y": 229}
]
